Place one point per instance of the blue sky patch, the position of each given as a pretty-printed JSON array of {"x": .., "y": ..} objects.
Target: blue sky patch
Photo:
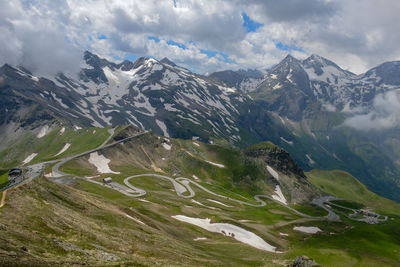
[
  {"x": 154, "y": 38},
  {"x": 285, "y": 47},
  {"x": 249, "y": 24},
  {"x": 130, "y": 57},
  {"x": 101, "y": 37},
  {"x": 171, "y": 42},
  {"x": 211, "y": 53}
]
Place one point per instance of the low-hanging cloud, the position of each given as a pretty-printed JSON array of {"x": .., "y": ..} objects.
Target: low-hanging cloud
[
  {"x": 385, "y": 114},
  {"x": 31, "y": 40}
]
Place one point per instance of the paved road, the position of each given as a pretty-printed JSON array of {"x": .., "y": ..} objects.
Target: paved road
[
  {"x": 35, "y": 170},
  {"x": 56, "y": 167},
  {"x": 367, "y": 218},
  {"x": 320, "y": 202},
  {"x": 182, "y": 184},
  {"x": 118, "y": 187}
]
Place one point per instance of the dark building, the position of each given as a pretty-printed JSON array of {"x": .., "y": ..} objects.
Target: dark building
[{"x": 14, "y": 173}]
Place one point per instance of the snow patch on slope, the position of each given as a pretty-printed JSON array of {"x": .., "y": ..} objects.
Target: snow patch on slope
[
  {"x": 215, "y": 164},
  {"x": 29, "y": 158},
  {"x": 286, "y": 141},
  {"x": 101, "y": 163},
  {"x": 273, "y": 172},
  {"x": 163, "y": 127},
  {"x": 66, "y": 146},
  {"x": 310, "y": 160},
  {"x": 230, "y": 230},
  {"x": 307, "y": 229},
  {"x": 279, "y": 195},
  {"x": 43, "y": 131}
]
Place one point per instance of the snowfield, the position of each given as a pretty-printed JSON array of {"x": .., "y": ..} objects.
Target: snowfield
[
  {"x": 279, "y": 195},
  {"x": 230, "y": 230},
  {"x": 307, "y": 229},
  {"x": 310, "y": 160},
  {"x": 166, "y": 146},
  {"x": 273, "y": 172},
  {"x": 215, "y": 164},
  {"x": 29, "y": 158},
  {"x": 66, "y": 146},
  {"x": 200, "y": 238},
  {"x": 101, "y": 163},
  {"x": 163, "y": 127},
  {"x": 43, "y": 131}
]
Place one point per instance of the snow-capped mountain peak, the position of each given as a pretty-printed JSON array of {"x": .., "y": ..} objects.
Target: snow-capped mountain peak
[{"x": 148, "y": 93}]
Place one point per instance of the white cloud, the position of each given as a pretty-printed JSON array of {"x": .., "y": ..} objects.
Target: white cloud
[
  {"x": 355, "y": 34},
  {"x": 385, "y": 114}
]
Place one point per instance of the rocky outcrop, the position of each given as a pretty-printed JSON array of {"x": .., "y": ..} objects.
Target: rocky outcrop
[
  {"x": 291, "y": 178},
  {"x": 303, "y": 261},
  {"x": 277, "y": 158},
  {"x": 126, "y": 131}
]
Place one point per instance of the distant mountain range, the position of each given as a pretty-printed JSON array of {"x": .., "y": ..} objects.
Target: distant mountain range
[{"x": 301, "y": 105}]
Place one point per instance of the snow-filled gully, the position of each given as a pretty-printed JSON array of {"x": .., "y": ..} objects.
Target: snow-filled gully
[{"x": 230, "y": 230}]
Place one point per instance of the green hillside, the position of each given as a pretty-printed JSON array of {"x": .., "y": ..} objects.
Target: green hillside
[
  {"x": 343, "y": 185},
  {"x": 70, "y": 221}
]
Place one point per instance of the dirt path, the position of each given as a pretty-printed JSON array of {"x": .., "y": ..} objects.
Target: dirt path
[
  {"x": 3, "y": 198},
  {"x": 153, "y": 165}
]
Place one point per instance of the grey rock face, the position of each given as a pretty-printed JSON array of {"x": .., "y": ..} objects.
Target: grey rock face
[
  {"x": 278, "y": 158},
  {"x": 303, "y": 261}
]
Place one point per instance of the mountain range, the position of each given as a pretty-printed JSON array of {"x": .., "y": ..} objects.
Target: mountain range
[
  {"x": 147, "y": 163},
  {"x": 302, "y": 105}
]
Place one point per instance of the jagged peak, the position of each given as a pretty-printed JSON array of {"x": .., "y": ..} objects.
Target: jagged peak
[
  {"x": 289, "y": 57},
  {"x": 168, "y": 62},
  {"x": 316, "y": 61},
  {"x": 288, "y": 63},
  {"x": 6, "y": 66},
  {"x": 315, "y": 56}
]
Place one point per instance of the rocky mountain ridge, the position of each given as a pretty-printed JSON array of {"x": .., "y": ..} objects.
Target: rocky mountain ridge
[
  {"x": 298, "y": 105},
  {"x": 319, "y": 79}
]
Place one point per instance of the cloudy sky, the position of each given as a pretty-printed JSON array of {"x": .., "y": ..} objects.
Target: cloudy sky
[{"x": 48, "y": 36}]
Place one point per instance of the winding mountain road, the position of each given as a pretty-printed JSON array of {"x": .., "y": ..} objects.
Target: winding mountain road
[
  {"x": 182, "y": 185},
  {"x": 35, "y": 170}
]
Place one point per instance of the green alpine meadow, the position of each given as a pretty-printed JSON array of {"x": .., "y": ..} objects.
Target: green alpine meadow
[{"x": 200, "y": 133}]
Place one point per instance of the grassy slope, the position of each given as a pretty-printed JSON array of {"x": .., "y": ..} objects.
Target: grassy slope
[
  {"x": 342, "y": 184},
  {"x": 353, "y": 243},
  {"x": 49, "y": 145},
  {"x": 348, "y": 244},
  {"x": 40, "y": 214}
]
